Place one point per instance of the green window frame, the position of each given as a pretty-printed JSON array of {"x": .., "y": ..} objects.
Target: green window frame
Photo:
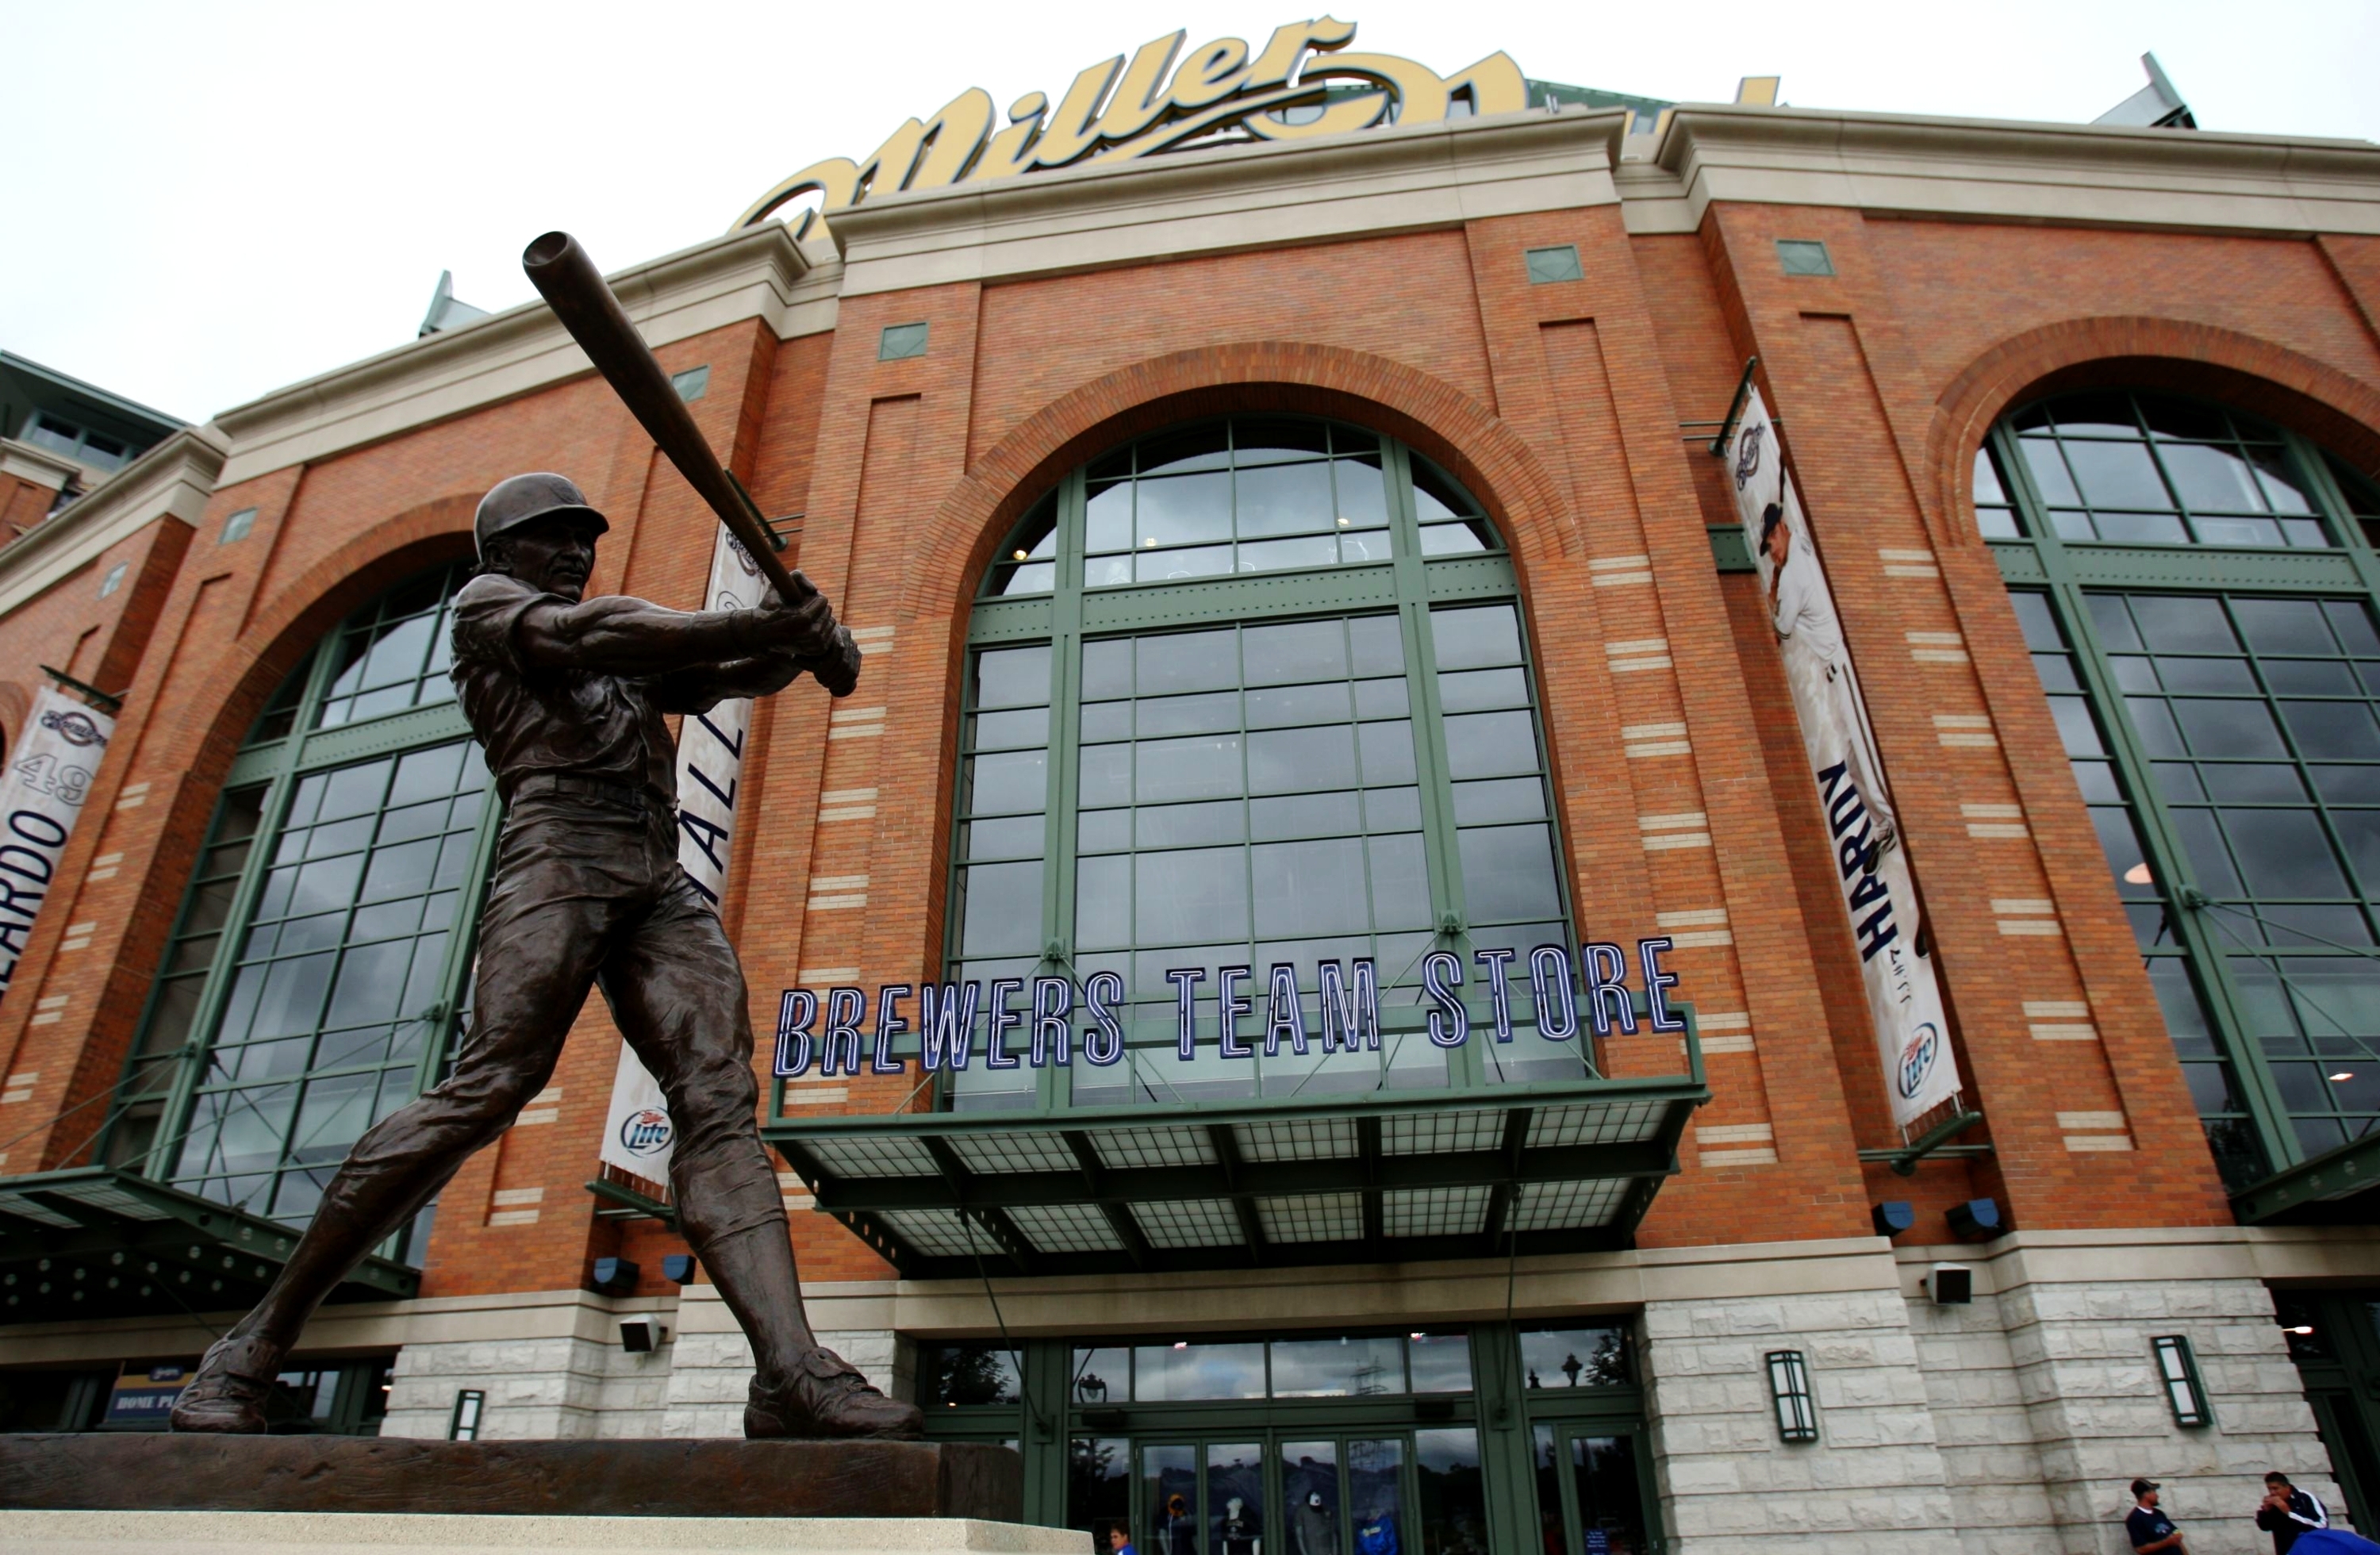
[
  {"x": 1542, "y": 1425},
  {"x": 1281, "y": 645},
  {"x": 2198, "y": 590},
  {"x": 315, "y": 980}
]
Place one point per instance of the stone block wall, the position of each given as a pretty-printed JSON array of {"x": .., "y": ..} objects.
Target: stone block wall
[
  {"x": 565, "y": 1387},
  {"x": 1874, "y": 1480}
]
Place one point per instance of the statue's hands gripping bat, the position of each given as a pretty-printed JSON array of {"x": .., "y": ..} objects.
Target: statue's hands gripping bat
[{"x": 561, "y": 270}]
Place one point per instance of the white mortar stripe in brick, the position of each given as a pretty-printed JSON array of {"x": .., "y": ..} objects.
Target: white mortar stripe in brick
[
  {"x": 838, "y": 882},
  {"x": 815, "y": 1096},
  {"x": 2080, "y": 1122},
  {"x": 791, "y": 1181},
  {"x": 819, "y": 977},
  {"x": 1629, "y": 666},
  {"x": 1638, "y": 750},
  {"x": 1972, "y": 729},
  {"x": 847, "y": 812},
  {"x": 80, "y": 942},
  {"x": 549, "y": 1097},
  {"x": 872, "y": 640},
  {"x": 1902, "y": 553},
  {"x": 109, "y": 858},
  {"x": 1736, "y": 1133},
  {"x": 54, "y": 1001},
  {"x": 848, "y": 796},
  {"x": 2051, "y": 1031},
  {"x": 51, "y": 1018},
  {"x": 1753, "y": 1157},
  {"x": 2026, "y": 915},
  {"x": 1901, "y": 563},
  {"x": 10, "y": 1098},
  {"x": 1994, "y": 821},
  {"x": 1612, "y": 570},
  {"x": 1935, "y": 639},
  {"x": 1700, "y": 936},
  {"x": 503, "y": 1197},
  {"x": 1667, "y": 832},
  {"x": 2080, "y": 1143},
  {"x": 1689, "y": 919},
  {"x": 799, "y": 1201},
  {"x": 25, "y": 1078},
  {"x": 1652, "y": 731},
  {"x": 538, "y": 1115},
  {"x": 853, "y": 723},
  {"x": 2056, "y": 1009},
  {"x": 2002, "y": 830},
  {"x": 838, "y": 903},
  {"x": 1629, "y": 647},
  {"x": 514, "y": 1217},
  {"x": 1937, "y": 655},
  {"x": 82, "y": 928},
  {"x": 1741, "y": 1044},
  {"x": 1992, "y": 813},
  {"x": 1730, "y": 1020}
]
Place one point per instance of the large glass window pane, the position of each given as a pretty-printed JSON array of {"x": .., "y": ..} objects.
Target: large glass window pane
[
  {"x": 1169, "y": 1496},
  {"x": 1453, "y": 1497},
  {"x": 1376, "y": 1493},
  {"x": 1178, "y": 1372},
  {"x": 1310, "y": 1489},
  {"x": 1313, "y": 1368},
  {"x": 1235, "y": 1499}
]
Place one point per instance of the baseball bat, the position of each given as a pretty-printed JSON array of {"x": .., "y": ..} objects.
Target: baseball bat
[{"x": 583, "y": 301}]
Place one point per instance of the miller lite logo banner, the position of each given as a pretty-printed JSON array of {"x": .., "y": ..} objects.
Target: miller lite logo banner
[
  {"x": 41, "y": 798},
  {"x": 638, "y": 1137},
  {"x": 1902, "y": 995}
]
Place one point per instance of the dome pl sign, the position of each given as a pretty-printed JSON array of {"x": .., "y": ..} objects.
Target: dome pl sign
[{"x": 1302, "y": 84}]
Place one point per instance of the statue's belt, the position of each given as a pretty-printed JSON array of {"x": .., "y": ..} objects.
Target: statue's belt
[{"x": 570, "y": 785}]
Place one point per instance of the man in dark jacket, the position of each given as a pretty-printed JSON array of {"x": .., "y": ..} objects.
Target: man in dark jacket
[
  {"x": 2151, "y": 1531},
  {"x": 568, "y": 697},
  {"x": 2289, "y": 1512}
]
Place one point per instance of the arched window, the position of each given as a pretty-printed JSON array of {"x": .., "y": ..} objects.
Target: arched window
[
  {"x": 2220, "y": 709},
  {"x": 315, "y": 978},
  {"x": 1252, "y": 692}
]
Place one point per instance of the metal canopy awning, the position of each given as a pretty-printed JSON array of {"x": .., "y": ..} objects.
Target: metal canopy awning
[
  {"x": 99, "y": 1242},
  {"x": 2334, "y": 1188},
  {"x": 1379, "y": 1178}
]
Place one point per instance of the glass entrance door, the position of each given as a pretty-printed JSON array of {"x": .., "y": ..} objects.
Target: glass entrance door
[
  {"x": 1292, "y": 1492},
  {"x": 1588, "y": 1497}
]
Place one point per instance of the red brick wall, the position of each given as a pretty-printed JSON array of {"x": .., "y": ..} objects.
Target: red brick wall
[{"x": 1562, "y": 406}]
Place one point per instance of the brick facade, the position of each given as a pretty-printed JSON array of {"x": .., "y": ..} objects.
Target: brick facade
[{"x": 1574, "y": 410}]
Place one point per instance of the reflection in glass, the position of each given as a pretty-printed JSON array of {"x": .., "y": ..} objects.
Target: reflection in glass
[
  {"x": 1309, "y": 1489},
  {"x": 1452, "y": 1495},
  {"x": 1170, "y": 1373},
  {"x": 1235, "y": 1499},
  {"x": 1376, "y": 1495}
]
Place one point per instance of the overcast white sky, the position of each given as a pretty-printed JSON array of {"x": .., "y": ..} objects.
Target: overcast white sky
[{"x": 205, "y": 203}]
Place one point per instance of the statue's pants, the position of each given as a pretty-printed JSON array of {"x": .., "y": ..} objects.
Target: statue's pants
[{"x": 587, "y": 892}]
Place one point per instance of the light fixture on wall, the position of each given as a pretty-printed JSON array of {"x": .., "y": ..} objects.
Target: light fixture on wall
[
  {"x": 1789, "y": 1383},
  {"x": 465, "y": 1425},
  {"x": 2177, "y": 1369}
]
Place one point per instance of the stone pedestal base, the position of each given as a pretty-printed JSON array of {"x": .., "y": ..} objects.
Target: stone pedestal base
[
  {"x": 278, "y": 1533},
  {"x": 505, "y": 1480}
]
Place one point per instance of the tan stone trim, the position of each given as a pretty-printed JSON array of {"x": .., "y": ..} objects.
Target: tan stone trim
[
  {"x": 1101, "y": 214},
  {"x": 759, "y": 273},
  {"x": 2089, "y": 175},
  {"x": 172, "y": 480},
  {"x": 22, "y": 461}
]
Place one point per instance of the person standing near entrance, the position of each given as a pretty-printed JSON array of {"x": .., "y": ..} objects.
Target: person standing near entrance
[
  {"x": 2151, "y": 1530},
  {"x": 2289, "y": 1512}
]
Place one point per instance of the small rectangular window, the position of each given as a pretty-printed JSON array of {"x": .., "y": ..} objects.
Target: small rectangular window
[
  {"x": 114, "y": 580},
  {"x": 2177, "y": 1370},
  {"x": 236, "y": 527},
  {"x": 465, "y": 1425},
  {"x": 1803, "y": 257},
  {"x": 693, "y": 383},
  {"x": 899, "y": 341},
  {"x": 1557, "y": 263}
]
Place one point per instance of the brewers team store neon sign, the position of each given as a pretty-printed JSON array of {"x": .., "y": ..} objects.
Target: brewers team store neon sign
[
  {"x": 1160, "y": 101},
  {"x": 1348, "y": 1012}
]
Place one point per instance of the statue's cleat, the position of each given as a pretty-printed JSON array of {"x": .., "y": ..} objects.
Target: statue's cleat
[
  {"x": 827, "y": 1397},
  {"x": 225, "y": 1396}
]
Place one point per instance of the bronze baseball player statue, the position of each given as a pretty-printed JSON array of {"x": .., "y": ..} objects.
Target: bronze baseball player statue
[{"x": 567, "y": 697}]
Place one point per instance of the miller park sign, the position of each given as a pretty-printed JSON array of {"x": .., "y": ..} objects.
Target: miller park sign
[{"x": 1302, "y": 84}]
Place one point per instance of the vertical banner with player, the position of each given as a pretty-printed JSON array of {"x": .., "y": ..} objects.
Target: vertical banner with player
[
  {"x": 1902, "y": 994},
  {"x": 41, "y": 798},
  {"x": 637, "y": 1135}
]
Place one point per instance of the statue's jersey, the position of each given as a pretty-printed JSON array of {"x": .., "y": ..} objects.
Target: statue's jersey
[{"x": 530, "y": 718}]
